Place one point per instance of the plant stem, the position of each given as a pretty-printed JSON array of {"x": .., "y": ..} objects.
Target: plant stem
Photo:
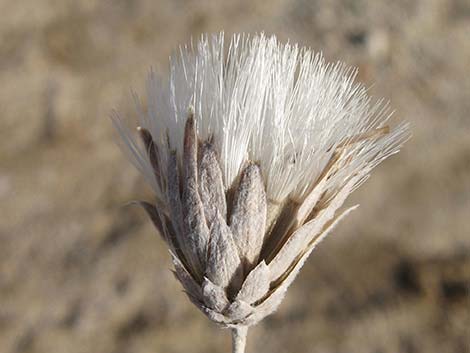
[{"x": 239, "y": 339}]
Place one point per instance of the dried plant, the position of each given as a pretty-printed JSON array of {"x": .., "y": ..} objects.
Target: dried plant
[{"x": 251, "y": 151}]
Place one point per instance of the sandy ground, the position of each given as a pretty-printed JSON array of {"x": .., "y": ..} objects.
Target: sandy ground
[{"x": 81, "y": 273}]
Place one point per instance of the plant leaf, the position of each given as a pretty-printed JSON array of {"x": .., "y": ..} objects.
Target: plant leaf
[
  {"x": 189, "y": 283},
  {"x": 214, "y": 296},
  {"x": 211, "y": 185},
  {"x": 237, "y": 311},
  {"x": 248, "y": 219},
  {"x": 194, "y": 223},
  {"x": 300, "y": 239},
  {"x": 256, "y": 284},
  {"x": 223, "y": 263},
  {"x": 152, "y": 153},
  {"x": 277, "y": 294}
]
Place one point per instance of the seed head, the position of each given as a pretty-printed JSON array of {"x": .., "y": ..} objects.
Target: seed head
[{"x": 251, "y": 150}]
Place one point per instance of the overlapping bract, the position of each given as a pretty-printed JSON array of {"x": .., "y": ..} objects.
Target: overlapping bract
[{"x": 232, "y": 264}]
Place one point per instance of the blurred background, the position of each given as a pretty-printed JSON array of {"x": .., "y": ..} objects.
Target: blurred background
[{"x": 81, "y": 273}]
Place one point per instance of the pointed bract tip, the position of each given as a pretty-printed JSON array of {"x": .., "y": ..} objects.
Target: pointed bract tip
[
  {"x": 190, "y": 134},
  {"x": 190, "y": 110}
]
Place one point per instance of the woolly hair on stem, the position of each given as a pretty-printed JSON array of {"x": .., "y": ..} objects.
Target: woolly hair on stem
[{"x": 239, "y": 335}]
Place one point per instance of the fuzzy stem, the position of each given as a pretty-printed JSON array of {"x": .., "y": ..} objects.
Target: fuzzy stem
[{"x": 239, "y": 339}]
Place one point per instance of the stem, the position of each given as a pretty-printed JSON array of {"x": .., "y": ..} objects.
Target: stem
[{"x": 239, "y": 339}]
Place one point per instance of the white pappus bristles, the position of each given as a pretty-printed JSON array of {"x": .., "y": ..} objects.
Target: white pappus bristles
[
  {"x": 275, "y": 104},
  {"x": 252, "y": 149}
]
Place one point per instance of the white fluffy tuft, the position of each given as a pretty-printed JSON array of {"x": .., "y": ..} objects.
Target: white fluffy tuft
[{"x": 276, "y": 104}]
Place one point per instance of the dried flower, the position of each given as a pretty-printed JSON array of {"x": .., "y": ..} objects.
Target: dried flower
[{"x": 251, "y": 153}]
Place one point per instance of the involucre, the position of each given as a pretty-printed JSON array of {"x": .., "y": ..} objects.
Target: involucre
[{"x": 252, "y": 150}]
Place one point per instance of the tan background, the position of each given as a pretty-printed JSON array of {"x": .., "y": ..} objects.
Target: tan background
[{"x": 80, "y": 273}]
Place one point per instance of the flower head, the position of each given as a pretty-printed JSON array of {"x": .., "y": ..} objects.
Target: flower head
[{"x": 251, "y": 150}]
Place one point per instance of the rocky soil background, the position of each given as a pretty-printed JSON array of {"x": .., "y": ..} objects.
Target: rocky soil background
[{"x": 79, "y": 272}]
